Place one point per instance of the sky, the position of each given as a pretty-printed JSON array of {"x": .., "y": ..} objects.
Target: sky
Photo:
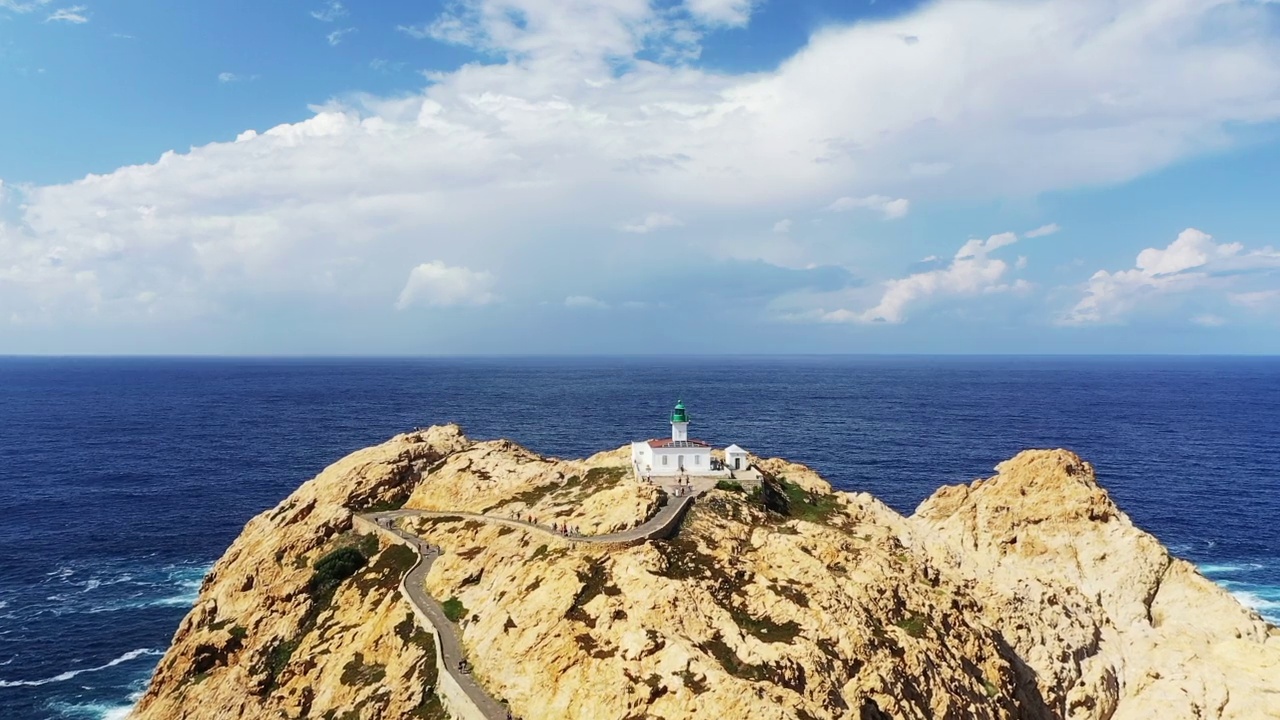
[{"x": 639, "y": 176}]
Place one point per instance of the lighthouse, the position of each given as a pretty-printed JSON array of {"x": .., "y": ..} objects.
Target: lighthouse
[{"x": 679, "y": 423}]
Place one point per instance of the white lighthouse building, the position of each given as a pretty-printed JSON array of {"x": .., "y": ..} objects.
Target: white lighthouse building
[{"x": 677, "y": 456}]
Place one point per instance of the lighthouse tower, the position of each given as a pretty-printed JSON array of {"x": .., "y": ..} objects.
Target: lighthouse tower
[{"x": 679, "y": 423}]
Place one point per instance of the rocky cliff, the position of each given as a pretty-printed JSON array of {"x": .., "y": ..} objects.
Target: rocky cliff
[{"x": 1027, "y": 595}]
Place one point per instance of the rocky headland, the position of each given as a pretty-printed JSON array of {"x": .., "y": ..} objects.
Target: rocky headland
[{"x": 1025, "y": 595}]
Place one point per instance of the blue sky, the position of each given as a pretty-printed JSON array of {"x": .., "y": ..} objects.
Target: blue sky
[{"x": 626, "y": 176}]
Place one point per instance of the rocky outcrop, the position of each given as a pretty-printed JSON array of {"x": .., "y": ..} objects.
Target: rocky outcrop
[
  {"x": 1028, "y": 595},
  {"x": 1107, "y": 622}
]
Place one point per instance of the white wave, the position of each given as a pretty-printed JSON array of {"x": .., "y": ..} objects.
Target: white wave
[
  {"x": 1219, "y": 569},
  {"x": 1227, "y": 568},
  {"x": 1255, "y": 601},
  {"x": 92, "y": 711},
  {"x": 62, "y": 677}
]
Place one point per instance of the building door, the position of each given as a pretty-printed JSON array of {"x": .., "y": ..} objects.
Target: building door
[
  {"x": 737, "y": 463},
  {"x": 681, "y": 459}
]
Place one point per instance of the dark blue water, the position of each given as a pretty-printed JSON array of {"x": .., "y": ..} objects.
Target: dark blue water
[{"x": 121, "y": 481}]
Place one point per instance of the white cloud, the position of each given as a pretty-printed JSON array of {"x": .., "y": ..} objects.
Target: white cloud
[
  {"x": 1256, "y": 300},
  {"x": 585, "y": 301},
  {"x": 76, "y": 15},
  {"x": 651, "y": 222},
  {"x": 782, "y": 227},
  {"x": 971, "y": 272},
  {"x": 569, "y": 126},
  {"x": 335, "y": 37},
  {"x": 891, "y": 208},
  {"x": 721, "y": 12},
  {"x": 23, "y": 7},
  {"x": 435, "y": 284},
  {"x": 1209, "y": 320},
  {"x": 228, "y": 77},
  {"x": 1192, "y": 263},
  {"x": 1043, "y": 231},
  {"x": 331, "y": 12},
  {"x": 417, "y": 32}
]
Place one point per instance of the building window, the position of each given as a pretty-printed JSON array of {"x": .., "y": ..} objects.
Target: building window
[
  {"x": 697, "y": 459},
  {"x": 664, "y": 459}
]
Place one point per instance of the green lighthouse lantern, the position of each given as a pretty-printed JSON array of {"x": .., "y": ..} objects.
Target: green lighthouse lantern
[
  {"x": 679, "y": 415},
  {"x": 679, "y": 424}
]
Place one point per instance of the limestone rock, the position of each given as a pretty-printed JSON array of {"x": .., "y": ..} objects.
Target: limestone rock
[{"x": 1028, "y": 595}]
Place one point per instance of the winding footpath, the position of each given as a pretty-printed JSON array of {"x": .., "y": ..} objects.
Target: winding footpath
[{"x": 449, "y": 653}]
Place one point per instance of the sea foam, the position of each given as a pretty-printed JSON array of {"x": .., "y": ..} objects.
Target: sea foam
[{"x": 63, "y": 677}]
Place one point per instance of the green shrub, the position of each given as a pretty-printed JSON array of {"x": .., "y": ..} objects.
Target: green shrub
[
  {"x": 730, "y": 486},
  {"x": 914, "y": 625},
  {"x": 330, "y": 570},
  {"x": 454, "y": 609}
]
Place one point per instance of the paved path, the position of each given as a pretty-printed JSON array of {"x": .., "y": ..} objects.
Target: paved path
[
  {"x": 649, "y": 530},
  {"x": 414, "y": 587},
  {"x": 414, "y": 584}
]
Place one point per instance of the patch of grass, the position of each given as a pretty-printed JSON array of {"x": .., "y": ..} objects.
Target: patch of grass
[
  {"x": 454, "y": 609},
  {"x": 990, "y": 687},
  {"x": 914, "y": 625},
  {"x": 239, "y": 633},
  {"x": 809, "y": 506},
  {"x": 730, "y": 486}
]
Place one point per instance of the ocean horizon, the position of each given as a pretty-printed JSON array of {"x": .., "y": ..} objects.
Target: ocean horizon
[{"x": 125, "y": 477}]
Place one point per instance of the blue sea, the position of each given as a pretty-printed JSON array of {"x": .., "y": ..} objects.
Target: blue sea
[{"x": 122, "y": 480}]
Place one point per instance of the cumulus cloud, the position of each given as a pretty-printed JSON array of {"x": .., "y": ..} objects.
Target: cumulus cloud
[
  {"x": 76, "y": 15},
  {"x": 971, "y": 272},
  {"x": 435, "y": 284},
  {"x": 891, "y": 209},
  {"x": 782, "y": 227},
  {"x": 651, "y": 222},
  {"x": 1192, "y": 263},
  {"x": 569, "y": 125},
  {"x": 227, "y": 77}
]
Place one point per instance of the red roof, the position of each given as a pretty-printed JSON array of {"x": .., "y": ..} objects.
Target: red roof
[{"x": 668, "y": 442}]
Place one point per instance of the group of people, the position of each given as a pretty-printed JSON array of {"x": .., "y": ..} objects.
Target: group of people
[{"x": 562, "y": 528}]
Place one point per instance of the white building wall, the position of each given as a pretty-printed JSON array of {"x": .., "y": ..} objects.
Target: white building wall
[{"x": 697, "y": 460}]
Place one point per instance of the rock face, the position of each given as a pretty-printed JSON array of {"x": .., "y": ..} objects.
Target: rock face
[
  {"x": 1028, "y": 595},
  {"x": 1111, "y": 625}
]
